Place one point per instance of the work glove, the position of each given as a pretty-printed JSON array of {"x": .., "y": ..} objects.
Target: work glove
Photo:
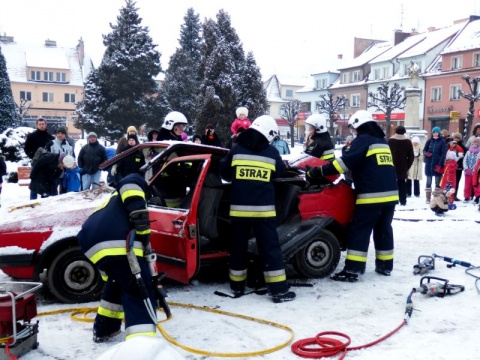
[
  {"x": 113, "y": 170},
  {"x": 141, "y": 223},
  {"x": 313, "y": 175}
]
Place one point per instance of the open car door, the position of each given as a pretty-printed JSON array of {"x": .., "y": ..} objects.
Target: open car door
[{"x": 176, "y": 190}]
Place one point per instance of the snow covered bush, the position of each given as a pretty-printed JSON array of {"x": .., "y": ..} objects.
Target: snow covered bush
[{"x": 12, "y": 143}]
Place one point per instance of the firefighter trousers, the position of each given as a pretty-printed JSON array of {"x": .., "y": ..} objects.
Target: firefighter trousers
[
  {"x": 265, "y": 232},
  {"x": 122, "y": 296},
  {"x": 368, "y": 219}
]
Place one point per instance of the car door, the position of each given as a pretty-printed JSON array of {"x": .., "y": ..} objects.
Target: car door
[{"x": 174, "y": 229}]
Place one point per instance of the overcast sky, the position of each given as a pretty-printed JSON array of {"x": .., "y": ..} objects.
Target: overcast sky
[{"x": 294, "y": 38}]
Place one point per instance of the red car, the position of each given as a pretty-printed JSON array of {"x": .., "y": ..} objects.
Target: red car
[{"x": 40, "y": 242}]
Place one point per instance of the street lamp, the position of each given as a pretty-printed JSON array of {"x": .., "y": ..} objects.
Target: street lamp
[{"x": 472, "y": 97}]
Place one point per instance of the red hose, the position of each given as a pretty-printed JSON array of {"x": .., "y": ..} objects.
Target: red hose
[{"x": 323, "y": 346}]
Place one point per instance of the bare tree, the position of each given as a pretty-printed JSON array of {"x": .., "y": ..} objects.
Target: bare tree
[
  {"x": 289, "y": 112},
  {"x": 472, "y": 97},
  {"x": 331, "y": 106},
  {"x": 386, "y": 100}
]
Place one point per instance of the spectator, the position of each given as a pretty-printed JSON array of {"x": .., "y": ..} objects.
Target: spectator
[
  {"x": 121, "y": 144},
  {"x": 197, "y": 139},
  {"x": 152, "y": 135},
  {"x": 445, "y": 135},
  {"x": 3, "y": 172},
  {"x": 448, "y": 180},
  {"x": 457, "y": 137},
  {"x": 439, "y": 203},
  {"x": 416, "y": 170},
  {"x": 475, "y": 134},
  {"x": 45, "y": 172},
  {"x": 469, "y": 162},
  {"x": 281, "y": 145},
  {"x": 434, "y": 153},
  {"x": 130, "y": 164},
  {"x": 71, "y": 181},
  {"x": 402, "y": 155},
  {"x": 131, "y": 130},
  {"x": 91, "y": 156},
  {"x": 58, "y": 145},
  {"x": 233, "y": 139},
  {"x": 173, "y": 126},
  {"x": 37, "y": 139},
  {"x": 210, "y": 137},
  {"x": 241, "y": 121}
]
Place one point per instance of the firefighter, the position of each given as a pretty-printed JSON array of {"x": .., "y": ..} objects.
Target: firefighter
[
  {"x": 251, "y": 166},
  {"x": 107, "y": 246},
  {"x": 173, "y": 126},
  {"x": 318, "y": 144},
  {"x": 370, "y": 160}
]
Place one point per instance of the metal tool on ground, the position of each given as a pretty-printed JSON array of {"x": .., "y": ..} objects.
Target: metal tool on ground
[
  {"x": 469, "y": 271},
  {"x": 17, "y": 308},
  {"x": 439, "y": 288},
  {"x": 425, "y": 264}
]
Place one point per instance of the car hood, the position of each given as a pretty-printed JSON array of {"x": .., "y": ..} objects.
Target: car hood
[{"x": 66, "y": 210}]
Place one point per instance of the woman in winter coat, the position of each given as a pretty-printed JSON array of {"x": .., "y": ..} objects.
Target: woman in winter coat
[
  {"x": 130, "y": 164},
  {"x": 434, "y": 154},
  {"x": 416, "y": 170},
  {"x": 46, "y": 172},
  {"x": 475, "y": 134}
]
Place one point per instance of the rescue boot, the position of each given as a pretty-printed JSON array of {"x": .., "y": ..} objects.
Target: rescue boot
[
  {"x": 280, "y": 298},
  {"x": 345, "y": 276},
  {"x": 428, "y": 195}
]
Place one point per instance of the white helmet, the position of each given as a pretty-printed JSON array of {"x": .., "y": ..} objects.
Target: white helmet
[
  {"x": 318, "y": 121},
  {"x": 173, "y": 118},
  {"x": 267, "y": 126},
  {"x": 359, "y": 118}
]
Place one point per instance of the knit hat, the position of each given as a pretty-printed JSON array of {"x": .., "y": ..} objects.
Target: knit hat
[
  {"x": 451, "y": 155},
  {"x": 62, "y": 130},
  {"x": 436, "y": 129},
  {"x": 241, "y": 110},
  {"x": 134, "y": 137},
  {"x": 61, "y": 156},
  {"x": 400, "y": 130},
  {"x": 195, "y": 137},
  {"x": 457, "y": 135},
  {"x": 131, "y": 128},
  {"x": 91, "y": 134},
  {"x": 68, "y": 161},
  {"x": 416, "y": 140}
]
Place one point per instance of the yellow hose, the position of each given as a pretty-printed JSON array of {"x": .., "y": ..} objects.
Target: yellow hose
[{"x": 76, "y": 312}]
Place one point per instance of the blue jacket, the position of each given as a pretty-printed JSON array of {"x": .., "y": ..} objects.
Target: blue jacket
[
  {"x": 71, "y": 180},
  {"x": 438, "y": 148}
]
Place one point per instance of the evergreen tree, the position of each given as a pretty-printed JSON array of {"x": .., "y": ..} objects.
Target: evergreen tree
[
  {"x": 182, "y": 78},
  {"x": 224, "y": 25},
  {"x": 220, "y": 76},
  {"x": 125, "y": 77},
  {"x": 8, "y": 114},
  {"x": 190, "y": 40},
  {"x": 252, "y": 94}
]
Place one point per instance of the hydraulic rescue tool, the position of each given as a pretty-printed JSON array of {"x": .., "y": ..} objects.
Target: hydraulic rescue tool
[
  {"x": 439, "y": 288},
  {"x": 425, "y": 264},
  {"x": 452, "y": 261},
  {"x": 17, "y": 308}
]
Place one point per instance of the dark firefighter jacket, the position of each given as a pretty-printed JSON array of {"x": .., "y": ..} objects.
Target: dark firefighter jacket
[
  {"x": 321, "y": 147},
  {"x": 251, "y": 166},
  {"x": 105, "y": 232},
  {"x": 370, "y": 160}
]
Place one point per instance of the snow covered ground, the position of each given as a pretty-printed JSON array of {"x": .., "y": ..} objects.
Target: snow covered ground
[{"x": 440, "y": 328}]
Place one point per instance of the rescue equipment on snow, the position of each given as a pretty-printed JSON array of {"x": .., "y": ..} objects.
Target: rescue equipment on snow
[
  {"x": 470, "y": 268},
  {"x": 425, "y": 264},
  {"x": 439, "y": 289}
]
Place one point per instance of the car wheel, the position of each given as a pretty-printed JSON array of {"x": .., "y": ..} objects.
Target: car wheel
[
  {"x": 319, "y": 257},
  {"x": 72, "y": 278}
]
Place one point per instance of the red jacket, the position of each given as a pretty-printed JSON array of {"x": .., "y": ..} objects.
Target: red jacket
[
  {"x": 449, "y": 174},
  {"x": 239, "y": 123}
]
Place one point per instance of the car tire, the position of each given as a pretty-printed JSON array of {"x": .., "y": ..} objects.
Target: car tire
[
  {"x": 319, "y": 257},
  {"x": 72, "y": 278}
]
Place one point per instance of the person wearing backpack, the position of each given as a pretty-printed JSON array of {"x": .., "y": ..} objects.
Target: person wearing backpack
[{"x": 37, "y": 139}]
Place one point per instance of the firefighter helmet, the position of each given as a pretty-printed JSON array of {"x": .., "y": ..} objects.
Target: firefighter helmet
[
  {"x": 173, "y": 118},
  {"x": 318, "y": 121},
  {"x": 267, "y": 126},
  {"x": 359, "y": 118}
]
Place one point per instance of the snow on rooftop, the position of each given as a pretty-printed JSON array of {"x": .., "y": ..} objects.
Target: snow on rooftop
[
  {"x": 433, "y": 38},
  {"x": 467, "y": 39},
  {"x": 368, "y": 55},
  {"x": 398, "y": 49}
]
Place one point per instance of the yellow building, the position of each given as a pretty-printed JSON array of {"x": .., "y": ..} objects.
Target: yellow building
[{"x": 46, "y": 81}]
